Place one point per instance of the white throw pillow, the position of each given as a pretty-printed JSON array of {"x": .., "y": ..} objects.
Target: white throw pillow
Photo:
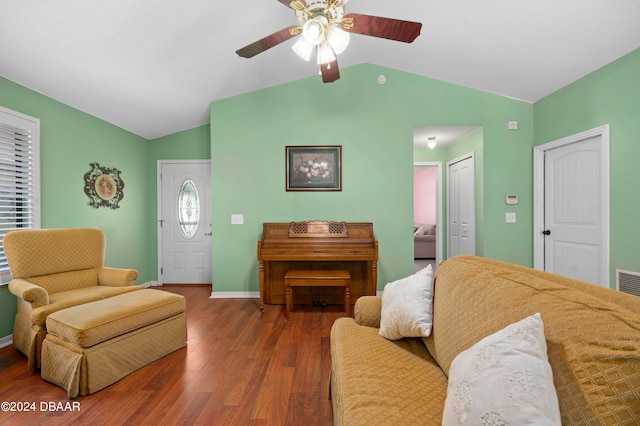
[
  {"x": 407, "y": 306},
  {"x": 504, "y": 379}
]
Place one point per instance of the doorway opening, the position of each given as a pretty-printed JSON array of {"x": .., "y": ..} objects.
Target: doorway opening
[
  {"x": 427, "y": 214},
  {"x": 450, "y": 143}
]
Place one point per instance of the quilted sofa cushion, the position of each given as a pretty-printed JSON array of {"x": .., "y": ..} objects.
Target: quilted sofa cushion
[
  {"x": 414, "y": 388},
  {"x": 593, "y": 343},
  {"x": 88, "y": 324}
]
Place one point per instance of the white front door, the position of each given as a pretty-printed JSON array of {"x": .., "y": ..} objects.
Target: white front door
[
  {"x": 461, "y": 223},
  {"x": 184, "y": 235},
  {"x": 575, "y": 207}
]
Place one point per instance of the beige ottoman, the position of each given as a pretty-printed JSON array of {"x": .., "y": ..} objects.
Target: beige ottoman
[{"x": 91, "y": 346}]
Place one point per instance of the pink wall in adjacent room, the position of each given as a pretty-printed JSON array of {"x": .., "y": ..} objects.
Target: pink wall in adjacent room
[{"x": 424, "y": 195}]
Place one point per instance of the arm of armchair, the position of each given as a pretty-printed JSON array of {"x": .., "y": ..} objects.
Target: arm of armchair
[
  {"x": 367, "y": 311},
  {"x": 116, "y": 277},
  {"x": 29, "y": 292}
]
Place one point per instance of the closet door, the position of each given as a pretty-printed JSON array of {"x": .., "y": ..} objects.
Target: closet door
[{"x": 461, "y": 232}]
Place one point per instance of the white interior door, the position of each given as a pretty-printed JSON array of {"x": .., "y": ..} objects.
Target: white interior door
[
  {"x": 461, "y": 206},
  {"x": 574, "y": 217},
  {"x": 184, "y": 235}
]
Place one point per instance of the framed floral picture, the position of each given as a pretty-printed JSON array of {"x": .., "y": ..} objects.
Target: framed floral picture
[{"x": 314, "y": 168}]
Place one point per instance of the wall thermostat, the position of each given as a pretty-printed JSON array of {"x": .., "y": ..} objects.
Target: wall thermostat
[{"x": 511, "y": 199}]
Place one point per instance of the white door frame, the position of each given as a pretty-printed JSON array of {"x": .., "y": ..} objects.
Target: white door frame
[
  {"x": 472, "y": 156},
  {"x": 438, "y": 166},
  {"x": 159, "y": 203},
  {"x": 538, "y": 194}
]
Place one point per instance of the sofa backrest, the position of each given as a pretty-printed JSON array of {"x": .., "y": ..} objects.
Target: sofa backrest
[
  {"x": 592, "y": 333},
  {"x": 58, "y": 259},
  {"x": 424, "y": 229}
]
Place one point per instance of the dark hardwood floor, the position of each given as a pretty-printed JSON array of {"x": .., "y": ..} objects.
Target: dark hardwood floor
[{"x": 240, "y": 367}]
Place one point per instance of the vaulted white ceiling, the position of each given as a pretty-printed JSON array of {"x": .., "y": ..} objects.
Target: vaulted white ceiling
[{"x": 153, "y": 66}]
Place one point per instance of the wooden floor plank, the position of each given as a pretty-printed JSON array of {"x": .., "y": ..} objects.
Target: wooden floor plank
[{"x": 240, "y": 367}]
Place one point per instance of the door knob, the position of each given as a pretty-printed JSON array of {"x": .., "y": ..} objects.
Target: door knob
[{"x": 546, "y": 232}]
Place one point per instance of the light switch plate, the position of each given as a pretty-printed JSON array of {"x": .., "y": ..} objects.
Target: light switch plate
[{"x": 237, "y": 219}]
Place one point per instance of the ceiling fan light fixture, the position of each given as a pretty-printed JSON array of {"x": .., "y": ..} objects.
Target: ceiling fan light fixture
[
  {"x": 324, "y": 25},
  {"x": 431, "y": 142},
  {"x": 338, "y": 38},
  {"x": 325, "y": 54},
  {"x": 313, "y": 31},
  {"x": 303, "y": 49}
]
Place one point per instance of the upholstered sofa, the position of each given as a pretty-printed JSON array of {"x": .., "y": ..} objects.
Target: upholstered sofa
[
  {"x": 590, "y": 345},
  {"x": 424, "y": 241},
  {"x": 54, "y": 269}
]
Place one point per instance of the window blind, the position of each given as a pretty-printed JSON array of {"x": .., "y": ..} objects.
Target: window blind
[{"x": 19, "y": 182}]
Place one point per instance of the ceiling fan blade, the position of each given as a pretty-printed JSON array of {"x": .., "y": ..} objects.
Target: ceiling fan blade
[
  {"x": 330, "y": 71},
  {"x": 268, "y": 42},
  {"x": 389, "y": 28}
]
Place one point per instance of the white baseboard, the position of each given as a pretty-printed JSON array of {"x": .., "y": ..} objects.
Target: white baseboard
[
  {"x": 6, "y": 341},
  {"x": 150, "y": 284},
  {"x": 235, "y": 295}
]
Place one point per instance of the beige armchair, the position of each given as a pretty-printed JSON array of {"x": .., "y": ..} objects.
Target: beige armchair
[{"x": 54, "y": 269}]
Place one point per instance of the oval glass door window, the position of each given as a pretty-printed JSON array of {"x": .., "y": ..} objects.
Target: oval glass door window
[{"x": 188, "y": 208}]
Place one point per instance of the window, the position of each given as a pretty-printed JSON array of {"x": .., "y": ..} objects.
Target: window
[
  {"x": 188, "y": 208},
  {"x": 19, "y": 177}
]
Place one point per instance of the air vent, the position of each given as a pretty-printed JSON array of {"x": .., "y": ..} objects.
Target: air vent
[{"x": 628, "y": 282}]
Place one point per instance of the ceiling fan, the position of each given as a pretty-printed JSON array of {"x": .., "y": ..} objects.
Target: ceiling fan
[{"x": 324, "y": 26}]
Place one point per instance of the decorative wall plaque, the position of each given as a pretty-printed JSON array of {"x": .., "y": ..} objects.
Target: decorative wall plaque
[{"x": 103, "y": 186}]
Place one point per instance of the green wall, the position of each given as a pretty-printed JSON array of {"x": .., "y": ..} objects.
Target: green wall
[
  {"x": 69, "y": 141},
  {"x": 611, "y": 96},
  {"x": 374, "y": 124}
]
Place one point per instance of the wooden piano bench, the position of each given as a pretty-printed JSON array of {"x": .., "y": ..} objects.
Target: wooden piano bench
[{"x": 316, "y": 278}]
